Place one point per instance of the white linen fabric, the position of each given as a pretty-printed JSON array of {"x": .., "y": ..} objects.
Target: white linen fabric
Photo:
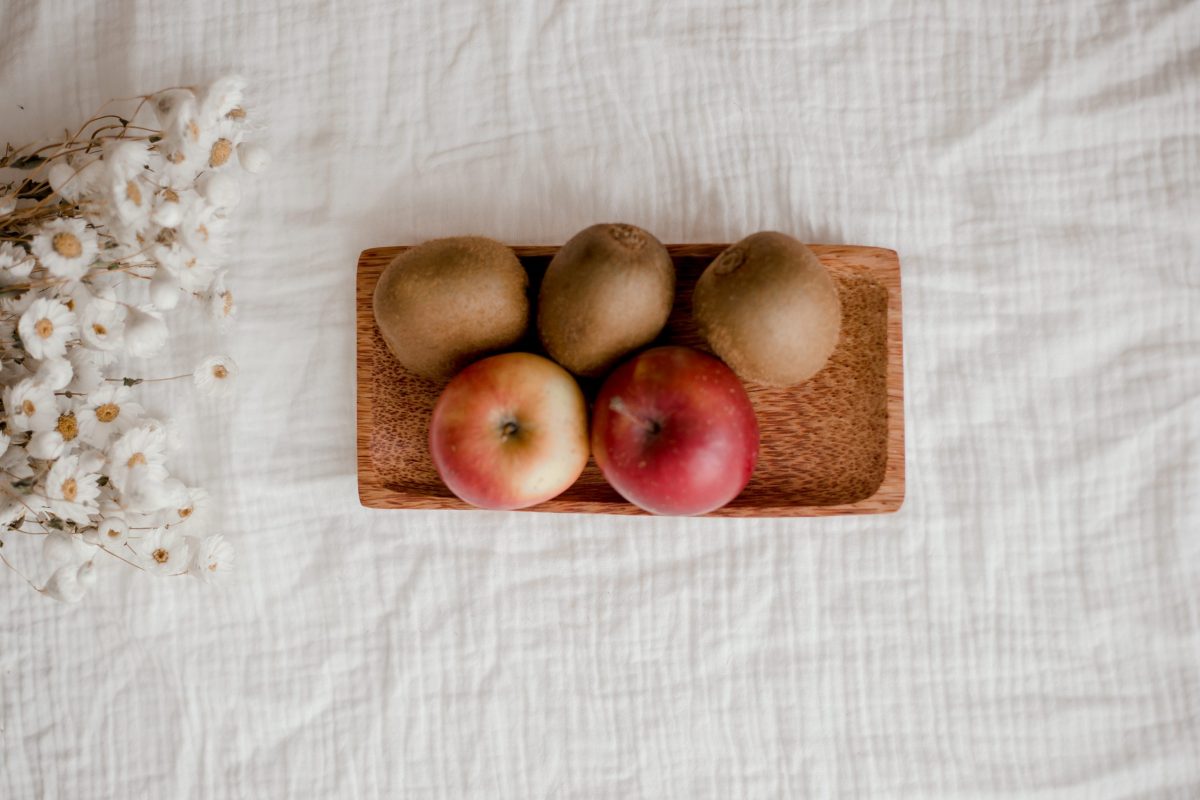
[{"x": 1028, "y": 625}]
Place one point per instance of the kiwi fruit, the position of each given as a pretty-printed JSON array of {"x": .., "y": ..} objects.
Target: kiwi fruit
[
  {"x": 447, "y": 302},
  {"x": 769, "y": 308},
  {"x": 607, "y": 291}
]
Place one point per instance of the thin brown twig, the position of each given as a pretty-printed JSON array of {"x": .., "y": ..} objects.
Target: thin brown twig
[{"x": 8, "y": 564}]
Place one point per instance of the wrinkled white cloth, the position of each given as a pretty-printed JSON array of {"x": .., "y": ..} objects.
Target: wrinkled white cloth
[{"x": 1028, "y": 625}]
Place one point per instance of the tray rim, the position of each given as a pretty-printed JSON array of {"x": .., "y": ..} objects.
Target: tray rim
[{"x": 375, "y": 493}]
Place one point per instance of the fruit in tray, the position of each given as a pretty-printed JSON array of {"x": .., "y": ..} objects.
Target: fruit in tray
[
  {"x": 769, "y": 309},
  {"x": 509, "y": 431},
  {"x": 673, "y": 432},
  {"x": 673, "y": 429},
  {"x": 447, "y": 302},
  {"x": 608, "y": 291}
]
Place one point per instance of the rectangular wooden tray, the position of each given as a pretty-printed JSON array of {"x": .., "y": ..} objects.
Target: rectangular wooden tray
[{"x": 832, "y": 445}]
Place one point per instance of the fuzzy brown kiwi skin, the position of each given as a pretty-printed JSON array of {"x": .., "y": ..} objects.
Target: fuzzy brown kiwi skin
[
  {"x": 448, "y": 302},
  {"x": 769, "y": 308},
  {"x": 608, "y": 291}
]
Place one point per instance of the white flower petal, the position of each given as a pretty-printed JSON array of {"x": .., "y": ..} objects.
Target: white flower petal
[
  {"x": 66, "y": 247},
  {"x": 46, "y": 445},
  {"x": 221, "y": 190},
  {"x": 164, "y": 552},
  {"x": 85, "y": 576},
  {"x": 60, "y": 548},
  {"x": 64, "y": 586},
  {"x": 112, "y": 531},
  {"x": 164, "y": 289},
  {"x": 212, "y": 558},
  {"x": 54, "y": 373},
  {"x": 145, "y": 332},
  {"x": 215, "y": 376},
  {"x": 254, "y": 158},
  {"x": 46, "y": 327}
]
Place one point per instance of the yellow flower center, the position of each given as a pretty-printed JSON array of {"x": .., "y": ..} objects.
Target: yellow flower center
[
  {"x": 108, "y": 412},
  {"x": 212, "y": 566},
  {"x": 99, "y": 329},
  {"x": 184, "y": 513},
  {"x": 162, "y": 555},
  {"x": 170, "y": 195},
  {"x": 194, "y": 130},
  {"x": 219, "y": 372},
  {"x": 228, "y": 304},
  {"x": 237, "y": 112},
  {"x": 70, "y": 489},
  {"x": 133, "y": 193},
  {"x": 113, "y": 533},
  {"x": 67, "y": 245},
  {"x": 28, "y": 408},
  {"x": 202, "y": 229},
  {"x": 68, "y": 427},
  {"x": 135, "y": 460},
  {"x": 222, "y": 149},
  {"x": 44, "y": 328},
  {"x": 177, "y": 157}
]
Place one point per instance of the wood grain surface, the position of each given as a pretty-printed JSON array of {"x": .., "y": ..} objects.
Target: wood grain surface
[{"x": 832, "y": 445}]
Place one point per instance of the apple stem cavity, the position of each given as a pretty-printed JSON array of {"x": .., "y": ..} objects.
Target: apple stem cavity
[
  {"x": 509, "y": 429},
  {"x": 651, "y": 426}
]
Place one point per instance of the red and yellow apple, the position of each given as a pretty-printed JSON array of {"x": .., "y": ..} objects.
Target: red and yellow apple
[
  {"x": 509, "y": 431},
  {"x": 673, "y": 432}
]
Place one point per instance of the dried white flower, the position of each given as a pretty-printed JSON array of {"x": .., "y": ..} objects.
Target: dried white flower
[
  {"x": 195, "y": 508},
  {"x": 45, "y": 328},
  {"x": 221, "y": 190},
  {"x": 254, "y": 158},
  {"x": 107, "y": 412},
  {"x": 222, "y": 96},
  {"x": 90, "y": 460},
  {"x": 73, "y": 180},
  {"x": 64, "y": 586},
  {"x": 30, "y": 406},
  {"x": 71, "y": 493},
  {"x": 65, "y": 247},
  {"x": 145, "y": 331},
  {"x": 46, "y": 445},
  {"x": 164, "y": 552},
  {"x": 212, "y": 558},
  {"x": 54, "y": 373},
  {"x": 102, "y": 324},
  {"x": 138, "y": 456},
  {"x": 126, "y": 159},
  {"x": 130, "y": 204},
  {"x": 15, "y": 461},
  {"x": 168, "y": 209},
  {"x": 112, "y": 531},
  {"x": 215, "y": 376},
  {"x": 60, "y": 548},
  {"x": 164, "y": 289},
  {"x": 86, "y": 369},
  {"x": 15, "y": 263},
  {"x": 221, "y": 306},
  {"x": 85, "y": 576}
]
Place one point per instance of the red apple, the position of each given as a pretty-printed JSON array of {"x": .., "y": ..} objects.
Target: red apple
[
  {"x": 509, "y": 431},
  {"x": 674, "y": 432}
]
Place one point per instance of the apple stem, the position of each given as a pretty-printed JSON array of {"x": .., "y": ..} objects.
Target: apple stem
[{"x": 618, "y": 405}]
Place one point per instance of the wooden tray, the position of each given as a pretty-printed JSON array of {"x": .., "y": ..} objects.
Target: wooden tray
[{"x": 833, "y": 445}]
